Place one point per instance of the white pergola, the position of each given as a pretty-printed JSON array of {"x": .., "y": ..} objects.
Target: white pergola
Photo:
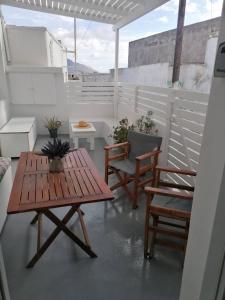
[{"x": 115, "y": 12}]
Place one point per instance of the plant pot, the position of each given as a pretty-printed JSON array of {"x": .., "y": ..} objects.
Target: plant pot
[
  {"x": 56, "y": 165},
  {"x": 53, "y": 133}
]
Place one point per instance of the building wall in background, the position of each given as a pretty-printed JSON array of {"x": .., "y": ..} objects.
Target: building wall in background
[
  {"x": 195, "y": 76},
  {"x": 159, "y": 48}
]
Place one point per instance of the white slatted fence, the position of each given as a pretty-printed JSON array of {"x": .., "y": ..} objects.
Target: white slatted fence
[
  {"x": 77, "y": 91},
  {"x": 180, "y": 117}
]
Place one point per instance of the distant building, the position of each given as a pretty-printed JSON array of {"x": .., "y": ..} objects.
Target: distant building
[{"x": 159, "y": 48}]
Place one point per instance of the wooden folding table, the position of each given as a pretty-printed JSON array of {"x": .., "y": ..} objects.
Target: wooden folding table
[{"x": 35, "y": 189}]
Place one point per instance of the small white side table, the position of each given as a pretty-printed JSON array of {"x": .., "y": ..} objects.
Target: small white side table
[{"x": 88, "y": 133}]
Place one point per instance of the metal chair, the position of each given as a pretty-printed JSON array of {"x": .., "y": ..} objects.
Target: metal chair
[
  {"x": 136, "y": 162},
  {"x": 169, "y": 205}
]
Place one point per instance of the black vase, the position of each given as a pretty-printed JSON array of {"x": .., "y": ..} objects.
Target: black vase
[{"x": 53, "y": 133}]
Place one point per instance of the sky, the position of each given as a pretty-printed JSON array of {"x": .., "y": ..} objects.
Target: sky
[{"x": 95, "y": 41}]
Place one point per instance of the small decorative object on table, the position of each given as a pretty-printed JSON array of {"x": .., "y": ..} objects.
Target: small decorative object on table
[
  {"x": 82, "y": 124},
  {"x": 55, "y": 151},
  {"x": 53, "y": 124}
]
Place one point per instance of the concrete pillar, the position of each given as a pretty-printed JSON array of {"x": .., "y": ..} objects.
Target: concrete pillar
[{"x": 206, "y": 244}]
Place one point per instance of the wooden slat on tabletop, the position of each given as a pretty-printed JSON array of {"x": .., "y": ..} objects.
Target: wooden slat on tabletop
[
  {"x": 82, "y": 159},
  {"x": 32, "y": 184},
  {"x": 45, "y": 187},
  {"x": 93, "y": 182},
  {"x": 75, "y": 183},
  {"x": 70, "y": 184},
  {"x": 77, "y": 159},
  {"x": 14, "y": 200},
  {"x": 73, "y": 161},
  {"x": 101, "y": 183},
  {"x": 42, "y": 163},
  {"x": 87, "y": 182},
  {"x": 58, "y": 188},
  {"x": 81, "y": 183},
  {"x": 64, "y": 185},
  {"x": 52, "y": 191},
  {"x": 25, "y": 190},
  {"x": 39, "y": 193}
]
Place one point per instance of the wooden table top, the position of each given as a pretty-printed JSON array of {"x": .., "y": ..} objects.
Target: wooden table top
[{"x": 34, "y": 188}]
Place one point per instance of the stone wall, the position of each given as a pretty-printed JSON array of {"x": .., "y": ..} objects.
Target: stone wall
[{"x": 159, "y": 48}]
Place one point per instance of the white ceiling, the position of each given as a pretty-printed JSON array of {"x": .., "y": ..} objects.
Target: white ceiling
[{"x": 116, "y": 12}]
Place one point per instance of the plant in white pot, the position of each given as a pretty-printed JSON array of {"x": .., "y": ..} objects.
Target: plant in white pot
[{"x": 55, "y": 151}]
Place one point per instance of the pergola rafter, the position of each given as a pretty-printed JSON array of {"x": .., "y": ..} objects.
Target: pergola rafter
[{"x": 116, "y": 12}]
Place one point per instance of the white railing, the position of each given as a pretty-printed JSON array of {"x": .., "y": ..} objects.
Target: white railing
[
  {"x": 180, "y": 118},
  {"x": 78, "y": 91}
]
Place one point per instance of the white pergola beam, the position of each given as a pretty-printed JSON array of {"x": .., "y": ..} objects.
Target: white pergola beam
[
  {"x": 97, "y": 7},
  {"x": 140, "y": 11},
  {"x": 56, "y": 11}
]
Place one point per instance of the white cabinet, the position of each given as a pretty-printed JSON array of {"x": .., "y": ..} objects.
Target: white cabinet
[
  {"x": 18, "y": 135},
  {"x": 32, "y": 88}
]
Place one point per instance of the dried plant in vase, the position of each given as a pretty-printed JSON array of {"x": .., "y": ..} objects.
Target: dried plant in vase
[
  {"x": 55, "y": 151},
  {"x": 52, "y": 124}
]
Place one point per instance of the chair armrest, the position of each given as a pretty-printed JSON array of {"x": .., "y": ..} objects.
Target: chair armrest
[
  {"x": 109, "y": 147},
  {"x": 148, "y": 155},
  {"x": 164, "y": 192},
  {"x": 174, "y": 170}
]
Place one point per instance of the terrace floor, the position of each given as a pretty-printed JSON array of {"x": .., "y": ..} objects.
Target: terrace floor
[{"x": 65, "y": 272}]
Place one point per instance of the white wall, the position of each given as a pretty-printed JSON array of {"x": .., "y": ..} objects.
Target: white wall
[
  {"x": 56, "y": 55},
  {"x": 31, "y": 46},
  {"x": 27, "y": 45},
  {"x": 154, "y": 75},
  {"x": 4, "y": 105},
  {"x": 205, "y": 250}
]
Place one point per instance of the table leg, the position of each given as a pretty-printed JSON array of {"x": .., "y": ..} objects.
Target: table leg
[
  {"x": 68, "y": 232},
  {"x": 86, "y": 238},
  {"x": 51, "y": 238},
  {"x": 92, "y": 143},
  {"x": 34, "y": 220},
  {"x": 39, "y": 231},
  {"x": 61, "y": 226}
]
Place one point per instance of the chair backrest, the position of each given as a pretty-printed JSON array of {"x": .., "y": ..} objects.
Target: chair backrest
[{"x": 141, "y": 143}]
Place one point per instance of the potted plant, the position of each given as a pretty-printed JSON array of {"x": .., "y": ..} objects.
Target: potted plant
[
  {"x": 55, "y": 151},
  {"x": 146, "y": 125},
  {"x": 121, "y": 131},
  {"x": 53, "y": 124}
]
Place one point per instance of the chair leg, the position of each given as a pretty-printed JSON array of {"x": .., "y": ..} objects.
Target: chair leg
[
  {"x": 135, "y": 195},
  {"x": 106, "y": 167},
  {"x": 106, "y": 174},
  {"x": 146, "y": 240},
  {"x": 152, "y": 245}
]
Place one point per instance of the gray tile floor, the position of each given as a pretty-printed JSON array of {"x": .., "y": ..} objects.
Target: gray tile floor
[{"x": 65, "y": 272}]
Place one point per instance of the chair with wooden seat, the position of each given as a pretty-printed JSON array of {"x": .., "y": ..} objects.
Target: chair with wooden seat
[
  {"x": 136, "y": 162},
  {"x": 169, "y": 205}
]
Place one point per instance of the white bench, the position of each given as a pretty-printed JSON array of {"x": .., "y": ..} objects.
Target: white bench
[
  {"x": 6, "y": 182},
  {"x": 103, "y": 126},
  {"x": 18, "y": 135}
]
